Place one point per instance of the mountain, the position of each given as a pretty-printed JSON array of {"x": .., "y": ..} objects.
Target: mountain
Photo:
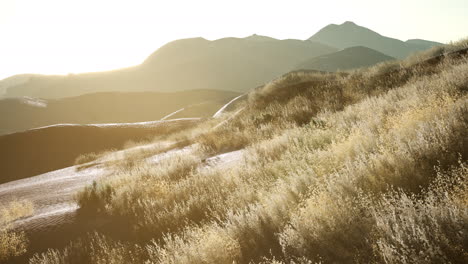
[
  {"x": 349, "y": 58},
  {"x": 349, "y": 34},
  {"x": 233, "y": 64},
  {"x": 23, "y": 113},
  {"x": 13, "y": 81},
  {"x": 256, "y": 37},
  {"x": 422, "y": 44}
]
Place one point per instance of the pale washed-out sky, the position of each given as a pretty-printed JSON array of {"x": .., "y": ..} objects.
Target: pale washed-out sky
[{"x": 72, "y": 36}]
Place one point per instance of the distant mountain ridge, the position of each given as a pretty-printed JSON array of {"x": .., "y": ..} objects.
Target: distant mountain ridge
[
  {"x": 350, "y": 34},
  {"x": 349, "y": 58},
  {"x": 12, "y": 81},
  {"x": 423, "y": 44},
  {"x": 232, "y": 64}
]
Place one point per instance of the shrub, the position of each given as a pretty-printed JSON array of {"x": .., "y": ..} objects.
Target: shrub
[
  {"x": 13, "y": 243},
  {"x": 427, "y": 229},
  {"x": 85, "y": 158},
  {"x": 366, "y": 166}
]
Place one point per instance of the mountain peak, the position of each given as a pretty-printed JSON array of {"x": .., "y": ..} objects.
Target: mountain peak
[
  {"x": 349, "y": 23},
  {"x": 256, "y": 37},
  {"x": 349, "y": 34},
  {"x": 344, "y": 28}
]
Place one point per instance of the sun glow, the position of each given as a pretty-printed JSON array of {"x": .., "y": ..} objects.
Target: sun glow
[{"x": 63, "y": 36}]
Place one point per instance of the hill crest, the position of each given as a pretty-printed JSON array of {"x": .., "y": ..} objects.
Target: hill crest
[
  {"x": 349, "y": 34},
  {"x": 346, "y": 59}
]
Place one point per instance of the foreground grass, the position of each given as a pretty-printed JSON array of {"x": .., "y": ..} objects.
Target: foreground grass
[
  {"x": 362, "y": 167},
  {"x": 13, "y": 243}
]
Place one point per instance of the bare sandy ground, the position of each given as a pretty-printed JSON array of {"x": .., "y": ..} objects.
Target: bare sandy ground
[{"x": 53, "y": 193}]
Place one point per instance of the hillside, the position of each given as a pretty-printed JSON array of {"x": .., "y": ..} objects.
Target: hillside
[
  {"x": 423, "y": 44},
  {"x": 23, "y": 113},
  {"x": 349, "y": 34},
  {"x": 39, "y": 150},
  {"x": 12, "y": 81},
  {"x": 368, "y": 166},
  {"x": 230, "y": 64},
  {"x": 349, "y": 58}
]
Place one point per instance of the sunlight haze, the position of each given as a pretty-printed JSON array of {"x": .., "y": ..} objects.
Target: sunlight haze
[
  {"x": 242, "y": 131},
  {"x": 64, "y": 36}
]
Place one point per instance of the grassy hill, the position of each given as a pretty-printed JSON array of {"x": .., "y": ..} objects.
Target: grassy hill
[
  {"x": 230, "y": 64},
  {"x": 362, "y": 167},
  {"x": 23, "y": 113},
  {"x": 349, "y": 34},
  {"x": 349, "y": 58}
]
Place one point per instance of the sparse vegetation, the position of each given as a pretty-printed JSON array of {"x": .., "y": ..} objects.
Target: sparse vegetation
[
  {"x": 85, "y": 158},
  {"x": 368, "y": 166},
  {"x": 13, "y": 243}
]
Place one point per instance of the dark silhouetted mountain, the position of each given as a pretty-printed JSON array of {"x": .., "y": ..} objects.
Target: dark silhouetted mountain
[
  {"x": 233, "y": 64},
  {"x": 23, "y": 113},
  {"x": 349, "y": 34},
  {"x": 349, "y": 58}
]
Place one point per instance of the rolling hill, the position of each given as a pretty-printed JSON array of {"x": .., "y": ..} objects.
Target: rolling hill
[
  {"x": 349, "y": 34},
  {"x": 422, "y": 44},
  {"x": 13, "y": 81},
  {"x": 349, "y": 58},
  {"x": 355, "y": 161},
  {"x": 23, "y": 113},
  {"x": 232, "y": 64},
  {"x": 44, "y": 149}
]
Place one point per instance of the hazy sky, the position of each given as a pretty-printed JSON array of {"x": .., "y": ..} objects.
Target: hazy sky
[{"x": 63, "y": 36}]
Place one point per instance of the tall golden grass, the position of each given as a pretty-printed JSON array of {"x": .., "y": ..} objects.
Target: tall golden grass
[
  {"x": 13, "y": 243},
  {"x": 368, "y": 166}
]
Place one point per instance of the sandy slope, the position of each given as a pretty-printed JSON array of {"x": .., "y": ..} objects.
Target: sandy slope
[
  {"x": 52, "y": 193},
  {"x": 40, "y": 150}
]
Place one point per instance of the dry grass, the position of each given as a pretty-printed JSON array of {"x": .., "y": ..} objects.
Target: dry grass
[
  {"x": 425, "y": 229},
  {"x": 13, "y": 243},
  {"x": 368, "y": 166},
  {"x": 85, "y": 158}
]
